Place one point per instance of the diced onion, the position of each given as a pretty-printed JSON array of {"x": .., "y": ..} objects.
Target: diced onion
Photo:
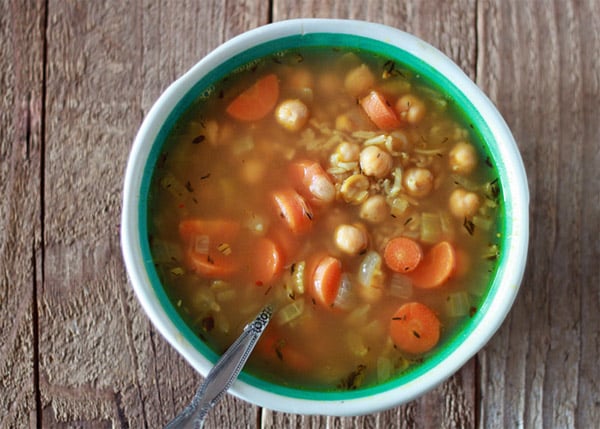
[
  {"x": 344, "y": 299},
  {"x": 369, "y": 273},
  {"x": 384, "y": 369},
  {"x": 358, "y": 316},
  {"x": 431, "y": 228},
  {"x": 356, "y": 344},
  {"x": 200, "y": 244},
  {"x": 482, "y": 222}
]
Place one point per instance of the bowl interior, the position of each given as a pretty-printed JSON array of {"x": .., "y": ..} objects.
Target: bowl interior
[{"x": 499, "y": 295}]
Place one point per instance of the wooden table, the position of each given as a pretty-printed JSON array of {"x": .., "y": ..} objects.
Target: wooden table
[{"x": 77, "y": 78}]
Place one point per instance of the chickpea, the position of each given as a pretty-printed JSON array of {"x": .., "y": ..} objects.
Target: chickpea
[
  {"x": 463, "y": 203},
  {"x": 463, "y": 158},
  {"x": 348, "y": 152},
  {"x": 375, "y": 162},
  {"x": 351, "y": 239},
  {"x": 359, "y": 81},
  {"x": 418, "y": 181},
  {"x": 355, "y": 189},
  {"x": 411, "y": 109},
  {"x": 375, "y": 209},
  {"x": 292, "y": 114}
]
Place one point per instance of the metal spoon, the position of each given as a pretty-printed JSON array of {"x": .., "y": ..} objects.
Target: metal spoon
[{"x": 222, "y": 375}]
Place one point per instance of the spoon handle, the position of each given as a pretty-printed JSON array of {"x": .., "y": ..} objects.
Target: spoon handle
[{"x": 222, "y": 375}]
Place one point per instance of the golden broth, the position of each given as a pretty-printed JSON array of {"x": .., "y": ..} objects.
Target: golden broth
[{"x": 213, "y": 200}]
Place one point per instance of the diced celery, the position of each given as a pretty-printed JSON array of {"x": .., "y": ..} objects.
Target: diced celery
[
  {"x": 222, "y": 323},
  {"x": 356, "y": 344},
  {"x": 468, "y": 184},
  {"x": 431, "y": 228},
  {"x": 384, "y": 369},
  {"x": 173, "y": 185},
  {"x": 482, "y": 222},
  {"x": 200, "y": 244},
  {"x": 219, "y": 285},
  {"x": 398, "y": 206},
  {"x": 457, "y": 304},
  {"x": 358, "y": 316},
  {"x": 226, "y": 295},
  {"x": 204, "y": 299},
  {"x": 243, "y": 145},
  {"x": 374, "y": 329},
  {"x": 401, "y": 286},
  {"x": 290, "y": 312}
]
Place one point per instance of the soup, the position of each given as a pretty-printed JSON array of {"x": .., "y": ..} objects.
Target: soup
[{"x": 341, "y": 188}]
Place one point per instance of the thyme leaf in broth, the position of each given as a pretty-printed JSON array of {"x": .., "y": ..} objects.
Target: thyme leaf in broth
[
  {"x": 469, "y": 226},
  {"x": 199, "y": 139},
  {"x": 353, "y": 380}
]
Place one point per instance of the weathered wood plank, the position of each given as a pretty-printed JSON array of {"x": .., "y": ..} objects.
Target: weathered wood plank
[
  {"x": 540, "y": 65},
  {"x": 101, "y": 363},
  {"x": 450, "y": 26},
  {"x": 21, "y": 147}
]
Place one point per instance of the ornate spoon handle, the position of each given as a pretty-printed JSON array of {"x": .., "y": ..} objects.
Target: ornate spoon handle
[{"x": 222, "y": 375}]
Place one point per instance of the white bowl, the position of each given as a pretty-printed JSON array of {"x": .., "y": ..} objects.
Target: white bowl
[{"x": 406, "y": 49}]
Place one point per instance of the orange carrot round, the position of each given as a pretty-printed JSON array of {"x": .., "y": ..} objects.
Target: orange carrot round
[
  {"x": 402, "y": 254},
  {"x": 326, "y": 280},
  {"x": 208, "y": 246},
  {"x": 415, "y": 328},
  {"x": 268, "y": 261},
  {"x": 257, "y": 101},
  {"x": 294, "y": 210},
  {"x": 437, "y": 266},
  {"x": 379, "y": 111}
]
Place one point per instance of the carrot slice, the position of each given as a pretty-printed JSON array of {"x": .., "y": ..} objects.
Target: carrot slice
[
  {"x": 257, "y": 101},
  {"x": 294, "y": 210},
  {"x": 312, "y": 182},
  {"x": 326, "y": 280},
  {"x": 285, "y": 240},
  {"x": 402, "y": 254},
  {"x": 379, "y": 111},
  {"x": 437, "y": 266},
  {"x": 268, "y": 261},
  {"x": 415, "y": 328},
  {"x": 208, "y": 246},
  {"x": 275, "y": 348}
]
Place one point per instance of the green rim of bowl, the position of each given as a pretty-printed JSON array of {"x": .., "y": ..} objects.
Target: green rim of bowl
[{"x": 479, "y": 128}]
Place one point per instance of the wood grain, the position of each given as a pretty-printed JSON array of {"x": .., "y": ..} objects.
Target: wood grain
[
  {"x": 537, "y": 372},
  {"x": 21, "y": 146},
  {"x": 76, "y": 80},
  {"x": 101, "y": 363}
]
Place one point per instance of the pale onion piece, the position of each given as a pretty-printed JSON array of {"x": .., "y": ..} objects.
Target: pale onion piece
[{"x": 345, "y": 297}]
